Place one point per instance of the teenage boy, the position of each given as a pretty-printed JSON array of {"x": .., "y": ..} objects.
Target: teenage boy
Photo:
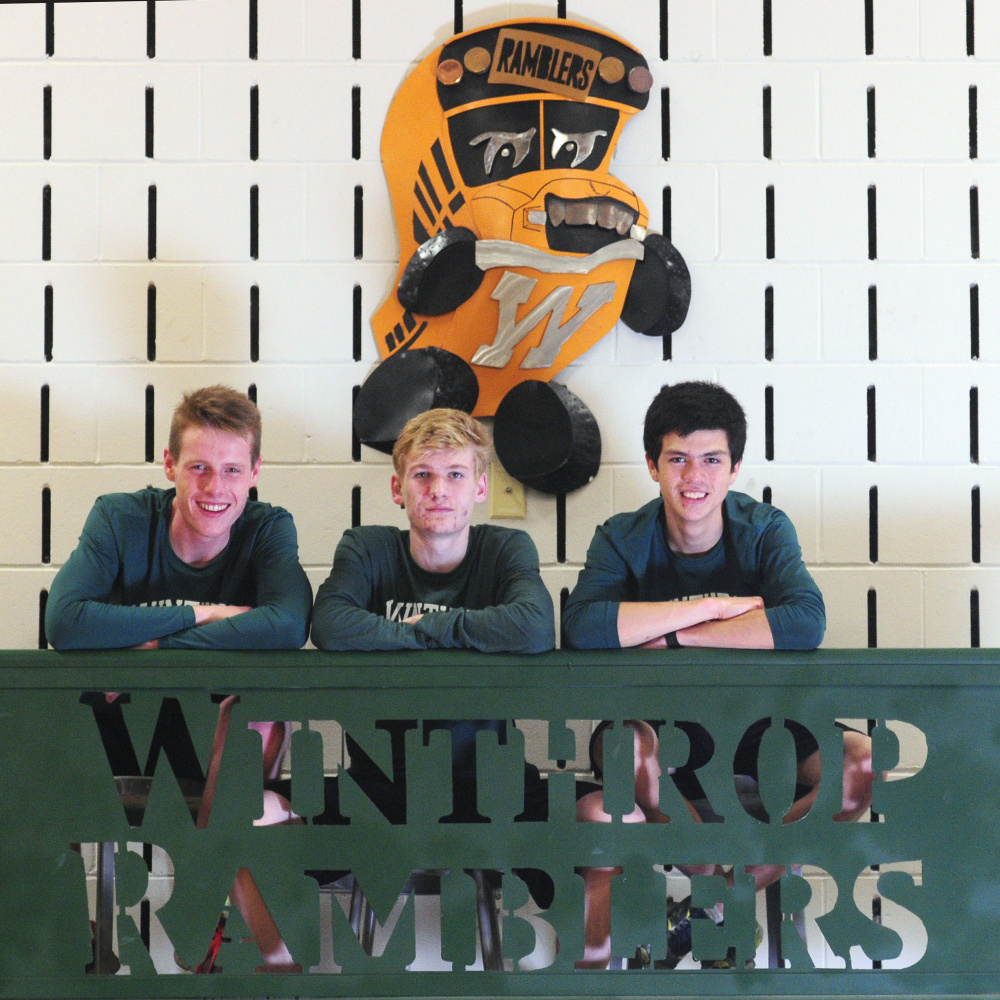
[
  {"x": 702, "y": 566},
  {"x": 199, "y": 566},
  {"x": 443, "y": 584}
]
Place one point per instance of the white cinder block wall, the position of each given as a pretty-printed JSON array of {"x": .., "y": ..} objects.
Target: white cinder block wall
[{"x": 153, "y": 239}]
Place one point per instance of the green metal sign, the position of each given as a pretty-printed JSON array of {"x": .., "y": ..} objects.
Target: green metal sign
[{"x": 933, "y": 849}]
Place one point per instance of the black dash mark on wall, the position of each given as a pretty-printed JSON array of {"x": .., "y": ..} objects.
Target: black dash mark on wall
[
  {"x": 769, "y": 423},
  {"x": 355, "y": 506},
  {"x": 47, "y": 122},
  {"x": 253, "y": 29},
  {"x": 970, "y": 27},
  {"x": 976, "y": 525},
  {"x": 664, "y": 30},
  {"x": 665, "y": 123},
  {"x": 872, "y": 323},
  {"x": 668, "y": 347},
  {"x": 356, "y": 29},
  {"x": 46, "y": 525},
  {"x": 973, "y": 122},
  {"x": 667, "y": 212},
  {"x": 458, "y": 17},
  {"x": 560, "y": 527},
  {"x": 872, "y": 451},
  {"x": 974, "y": 425},
  {"x": 769, "y": 323},
  {"x": 359, "y": 222},
  {"x": 766, "y": 107},
  {"x": 50, "y": 29},
  {"x": 974, "y": 221},
  {"x": 765, "y": 494},
  {"x": 254, "y": 221},
  {"x": 151, "y": 223},
  {"x": 974, "y": 322},
  {"x": 43, "y": 449},
  {"x": 48, "y": 323},
  {"x": 873, "y": 524},
  {"x": 769, "y": 221},
  {"x": 254, "y": 122},
  {"x": 355, "y": 123},
  {"x": 255, "y": 323},
  {"x": 149, "y": 123},
  {"x": 355, "y": 440},
  {"x": 150, "y": 424},
  {"x": 871, "y": 123},
  {"x": 43, "y": 600},
  {"x": 561, "y": 9},
  {"x": 563, "y": 599},
  {"x": 47, "y": 222},
  {"x": 767, "y": 27},
  {"x": 872, "y": 618},
  {"x": 869, "y": 27},
  {"x": 252, "y": 392},
  {"x": 872, "y": 223},
  {"x": 150, "y": 29},
  {"x": 356, "y": 323},
  {"x": 974, "y": 618},
  {"x": 151, "y": 322}
]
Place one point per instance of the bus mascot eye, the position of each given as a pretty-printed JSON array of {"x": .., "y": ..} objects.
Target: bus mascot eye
[
  {"x": 583, "y": 142},
  {"x": 521, "y": 141}
]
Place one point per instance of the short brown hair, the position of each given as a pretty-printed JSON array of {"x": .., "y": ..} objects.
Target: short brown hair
[
  {"x": 442, "y": 430},
  {"x": 220, "y": 407}
]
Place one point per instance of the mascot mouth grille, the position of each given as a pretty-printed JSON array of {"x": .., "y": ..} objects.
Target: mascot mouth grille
[{"x": 605, "y": 213}]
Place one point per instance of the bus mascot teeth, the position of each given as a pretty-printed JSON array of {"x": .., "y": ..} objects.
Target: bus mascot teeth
[{"x": 518, "y": 249}]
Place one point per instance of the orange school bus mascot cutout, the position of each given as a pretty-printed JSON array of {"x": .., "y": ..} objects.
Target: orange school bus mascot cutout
[{"x": 518, "y": 249}]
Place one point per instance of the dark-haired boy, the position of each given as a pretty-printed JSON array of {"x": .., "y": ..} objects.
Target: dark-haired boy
[{"x": 701, "y": 566}]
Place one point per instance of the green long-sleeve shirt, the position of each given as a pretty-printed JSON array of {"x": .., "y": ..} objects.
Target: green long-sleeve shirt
[
  {"x": 758, "y": 555},
  {"x": 124, "y": 585},
  {"x": 493, "y": 601}
]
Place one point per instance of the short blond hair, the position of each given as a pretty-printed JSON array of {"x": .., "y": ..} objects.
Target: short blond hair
[
  {"x": 220, "y": 407},
  {"x": 442, "y": 430}
]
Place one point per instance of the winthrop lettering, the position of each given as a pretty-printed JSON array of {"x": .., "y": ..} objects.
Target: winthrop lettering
[{"x": 397, "y": 611}]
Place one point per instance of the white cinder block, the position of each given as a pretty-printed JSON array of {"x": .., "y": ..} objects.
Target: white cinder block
[
  {"x": 21, "y": 110},
  {"x": 988, "y": 585},
  {"x": 796, "y": 491},
  {"x": 898, "y": 606},
  {"x": 638, "y": 24},
  {"x": 942, "y": 29},
  {"x": 22, "y": 294},
  {"x": 540, "y": 523},
  {"x": 180, "y": 309},
  {"x": 947, "y": 606},
  {"x": 225, "y": 109},
  {"x": 20, "y": 590},
  {"x": 176, "y": 109},
  {"x": 378, "y": 88},
  {"x": 120, "y": 405},
  {"x": 282, "y": 211},
  {"x": 829, "y": 32},
  {"x": 124, "y": 210},
  {"x": 99, "y": 313},
  {"x": 946, "y": 212},
  {"x": 330, "y": 213},
  {"x": 586, "y": 508},
  {"x": 377, "y": 281},
  {"x": 642, "y": 140},
  {"x": 293, "y": 128},
  {"x": 898, "y": 406},
  {"x": 20, "y": 393},
  {"x": 988, "y": 480},
  {"x": 844, "y": 505},
  {"x": 73, "y": 402},
  {"x": 989, "y": 301},
  {"x": 280, "y": 29},
  {"x": 280, "y": 397},
  {"x": 74, "y": 211},
  {"x": 748, "y": 384},
  {"x": 738, "y": 29},
  {"x": 326, "y": 418},
  {"x": 987, "y": 379},
  {"x": 899, "y": 226},
  {"x": 381, "y": 243},
  {"x": 987, "y": 179},
  {"x": 987, "y": 29},
  {"x": 416, "y": 30},
  {"x": 328, "y": 30},
  {"x": 21, "y": 212},
  {"x": 921, "y": 113},
  {"x": 946, "y": 414},
  {"x": 631, "y": 486},
  {"x": 98, "y": 111},
  {"x": 795, "y": 109},
  {"x": 896, "y": 29},
  {"x": 920, "y": 526},
  {"x": 558, "y": 579},
  {"x": 920, "y": 312},
  {"x": 844, "y": 311},
  {"x": 104, "y": 29},
  {"x": 742, "y": 211},
  {"x": 203, "y": 29},
  {"x": 227, "y": 310},
  {"x": 22, "y": 31},
  {"x": 844, "y": 110},
  {"x": 23, "y": 490}
]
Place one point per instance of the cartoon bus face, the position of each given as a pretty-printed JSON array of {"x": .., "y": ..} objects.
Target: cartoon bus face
[{"x": 518, "y": 249}]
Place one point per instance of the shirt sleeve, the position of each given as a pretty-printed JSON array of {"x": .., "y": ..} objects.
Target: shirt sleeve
[
  {"x": 590, "y": 620},
  {"x": 792, "y": 600},
  {"x": 341, "y": 619},
  {"x": 279, "y": 618},
  {"x": 521, "y": 620},
  {"x": 79, "y": 613}
]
